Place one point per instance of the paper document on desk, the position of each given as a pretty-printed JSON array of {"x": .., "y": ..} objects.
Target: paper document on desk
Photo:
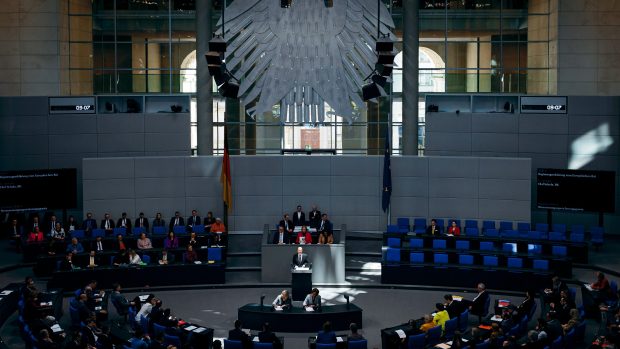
[
  {"x": 56, "y": 328},
  {"x": 190, "y": 328},
  {"x": 339, "y": 339},
  {"x": 6, "y": 292},
  {"x": 457, "y": 298},
  {"x": 278, "y": 308},
  {"x": 401, "y": 334},
  {"x": 443, "y": 346},
  {"x": 199, "y": 329},
  {"x": 496, "y": 318},
  {"x": 143, "y": 297},
  {"x": 246, "y": 331},
  {"x": 255, "y": 339},
  {"x": 301, "y": 268},
  {"x": 588, "y": 287},
  {"x": 309, "y": 309}
]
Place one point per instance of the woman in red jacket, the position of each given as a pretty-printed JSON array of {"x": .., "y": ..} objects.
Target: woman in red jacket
[
  {"x": 454, "y": 229},
  {"x": 304, "y": 237}
]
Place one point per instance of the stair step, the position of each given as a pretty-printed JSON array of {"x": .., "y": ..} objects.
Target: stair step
[
  {"x": 364, "y": 262},
  {"x": 243, "y": 260},
  {"x": 243, "y": 276},
  {"x": 363, "y": 245}
]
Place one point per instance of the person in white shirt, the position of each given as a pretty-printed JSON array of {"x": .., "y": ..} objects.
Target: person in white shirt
[
  {"x": 146, "y": 309},
  {"x": 58, "y": 238},
  {"x": 134, "y": 258}
]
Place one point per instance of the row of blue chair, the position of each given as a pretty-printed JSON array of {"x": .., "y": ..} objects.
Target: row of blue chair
[
  {"x": 575, "y": 336},
  {"x": 464, "y": 245},
  {"x": 434, "y": 336},
  {"x": 393, "y": 255},
  {"x": 232, "y": 344}
]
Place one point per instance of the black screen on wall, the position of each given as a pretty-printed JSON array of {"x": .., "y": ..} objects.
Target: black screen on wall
[
  {"x": 576, "y": 190},
  {"x": 53, "y": 188}
]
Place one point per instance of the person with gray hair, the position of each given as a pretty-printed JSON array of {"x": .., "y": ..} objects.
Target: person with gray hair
[{"x": 283, "y": 300}]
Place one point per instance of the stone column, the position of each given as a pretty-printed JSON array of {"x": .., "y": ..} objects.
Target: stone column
[
  {"x": 411, "y": 45},
  {"x": 204, "y": 83}
]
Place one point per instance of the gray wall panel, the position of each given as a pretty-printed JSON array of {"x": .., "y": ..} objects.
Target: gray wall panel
[
  {"x": 306, "y": 165},
  {"x": 73, "y": 143},
  {"x": 120, "y": 143},
  {"x": 504, "y": 168},
  {"x": 510, "y": 210},
  {"x": 453, "y": 187},
  {"x": 24, "y": 145},
  {"x": 203, "y": 186},
  {"x": 304, "y": 185},
  {"x": 258, "y": 165},
  {"x": 508, "y": 189},
  {"x": 260, "y": 186},
  {"x": 409, "y": 207},
  {"x": 451, "y": 142},
  {"x": 160, "y": 167},
  {"x": 195, "y": 166},
  {"x": 104, "y": 168},
  {"x": 23, "y": 162},
  {"x": 162, "y": 142},
  {"x": 165, "y": 187},
  {"x": 356, "y": 185},
  {"x": 409, "y": 186},
  {"x": 494, "y": 123},
  {"x": 113, "y": 206},
  {"x": 61, "y": 124},
  {"x": 542, "y": 143},
  {"x": 120, "y": 123},
  {"x": 409, "y": 166},
  {"x": 580, "y": 124},
  {"x": 24, "y": 125},
  {"x": 453, "y": 207},
  {"x": 499, "y": 142},
  {"x": 356, "y": 166},
  {"x": 449, "y": 122},
  {"x": 109, "y": 188},
  {"x": 166, "y": 123},
  {"x": 456, "y": 167},
  {"x": 543, "y": 124}
]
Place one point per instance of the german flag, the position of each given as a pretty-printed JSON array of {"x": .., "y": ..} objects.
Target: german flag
[{"x": 225, "y": 178}]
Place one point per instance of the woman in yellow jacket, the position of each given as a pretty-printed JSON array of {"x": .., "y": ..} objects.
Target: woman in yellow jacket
[{"x": 441, "y": 316}]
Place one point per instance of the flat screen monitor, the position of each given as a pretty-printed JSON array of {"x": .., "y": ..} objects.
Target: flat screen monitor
[
  {"x": 41, "y": 189},
  {"x": 576, "y": 190}
]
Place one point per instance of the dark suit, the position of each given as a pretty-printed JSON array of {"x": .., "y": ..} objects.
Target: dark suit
[
  {"x": 286, "y": 238},
  {"x": 433, "y": 230},
  {"x": 477, "y": 305},
  {"x": 269, "y": 337},
  {"x": 284, "y": 224},
  {"x": 314, "y": 218},
  {"x": 127, "y": 224},
  {"x": 454, "y": 309},
  {"x": 325, "y": 226},
  {"x": 192, "y": 221},
  {"x": 299, "y": 218},
  {"x": 145, "y": 224},
  {"x": 89, "y": 224},
  {"x": 297, "y": 262},
  {"x": 173, "y": 220},
  {"x": 326, "y": 337},
  {"x": 238, "y": 335},
  {"x": 110, "y": 223}
]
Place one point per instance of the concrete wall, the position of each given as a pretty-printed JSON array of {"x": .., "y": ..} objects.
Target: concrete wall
[
  {"x": 348, "y": 188},
  {"x": 588, "y": 137},
  {"x": 32, "y": 139}
]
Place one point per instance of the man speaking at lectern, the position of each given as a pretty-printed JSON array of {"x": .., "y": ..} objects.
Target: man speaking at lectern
[{"x": 300, "y": 259}]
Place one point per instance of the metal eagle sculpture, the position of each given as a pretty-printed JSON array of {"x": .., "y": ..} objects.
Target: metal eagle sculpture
[{"x": 303, "y": 55}]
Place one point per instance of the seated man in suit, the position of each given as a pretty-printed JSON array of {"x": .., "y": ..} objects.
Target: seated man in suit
[
  {"x": 299, "y": 217},
  {"x": 325, "y": 229},
  {"x": 300, "y": 259},
  {"x": 237, "y": 334},
  {"x": 266, "y": 336},
  {"x": 176, "y": 220},
  {"x": 93, "y": 260},
  {"x": 283, "y": 300},
  {"x": 89, "y": 224},
  {"x": 142, "y": 222},
  {"x": 326, "y": 336},
  {"x": 193, "y": 220},
  {"x": 124, "y": 222},
  {"x": 108, "y": 224},
  {"x": 166, "y": 258},
  {"x": 75, "y": 246},
  {"x": 281, "y": 237},
  {"x": 477, "y": 305},
  {"x": 433, "y": 229},
  {"x": 313, "y": 300}
]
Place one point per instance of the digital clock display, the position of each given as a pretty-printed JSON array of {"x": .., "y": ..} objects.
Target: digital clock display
[
  {"x": 543, "y": 104},
  {"x": 72, "y": 105}
]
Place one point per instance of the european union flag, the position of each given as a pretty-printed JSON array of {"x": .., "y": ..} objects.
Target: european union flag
[{"x": 387, "y": 174}]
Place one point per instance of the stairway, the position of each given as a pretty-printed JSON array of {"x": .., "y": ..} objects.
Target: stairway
[{"x": 243, "y": 258}]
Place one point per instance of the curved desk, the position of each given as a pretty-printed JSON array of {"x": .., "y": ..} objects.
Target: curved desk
[{"x": 298, "y": 320}]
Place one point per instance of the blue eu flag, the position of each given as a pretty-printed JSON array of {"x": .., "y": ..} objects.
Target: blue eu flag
[{"x": 387, "y": 174}]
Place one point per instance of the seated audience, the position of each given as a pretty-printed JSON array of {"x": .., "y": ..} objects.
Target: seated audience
[
  {"x": 190, "y": 255},
  {"x": 15, "y": 231},
  {"x": 283, "y": 300},
  {"x": 71, "y": 224},
  {"x": 67, "y": 263},
  {"x": 140, "y": 340},
  {"x": 237, "y": 334},
  {"x": 35, "y": 236},
  {"x": 121, "y": 258},
  {"x": 166, "y": 257},
  {"x": 142, "y": 222},
  {"x": 454, "y": 229},
  {"x": 314, "y": 218},
  {"x": 124, "y": 222},
  {"x": 208, "y": 221},
  {"x": 428, "y": 323},
  {"x": 134, "y": 258},
  {"x": 158, "y": 221},
  {"x": 303, "y": 237},
  {"x": 171, "y": 241},
  {"x": 441, "y": 316},
  {"x": 45, "y": 341},
  {"x": 452, "y": 307},
  {"x": 146, "y": 309},
  {"x": 119, "y": 244},
  {"x": 313, "y": 300},
  {"x": 143, "y": 242},
  {"x": 600, "y": 288},
  {"x": 193, "y": 220},
  {"x": 75, "y": 246},
  {"x": 433, "y": 229},
  {"x": 354, "y": 335},
  {"x": 299, "y": 217},
  {"x": 526, "y": 306},
  {"x": 92, "y": 260},
  {"x": 89, "y": 224},
  {"x": 218, "y": 230},
  {"x": 287, "y": 223},
  {"x": 57, "y": 239},
  {"x": 326, "y": 231},
  {"x": 107, "y": 223},
  {"x": 119, "y": 301},
  {"x": 552, "y": 294},
  {"x": 457, "y": 341},
  {"x": 266, "y": 336},
  {"x": 193, "y": 240},
  {"x": 282, "y": 236},
  {"x": 572, "y": 322},
  {"x": 176, "y": 221},
  {"x": 97, "y": 245},
  {"x": 326, "y": 336}
]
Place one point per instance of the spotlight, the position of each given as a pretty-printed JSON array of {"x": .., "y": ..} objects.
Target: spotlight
[
  {"x": 217, "y": 44},
  {"x": 379, "y": 80},
  {"x": 386, "y": 57},
  {"x": 262, "y": 299},
  {"x": 329, "y": 3},
  {"x": 384, "y": 44},
  {"x": 384, "y": 69},
  {"x": 285, "y": 3},
  {"x": 214, "y": 57},
  {"x": 346, "y": 296},
  {"x": 370, "y": 91},
  {"x": 229, "y": 89}
]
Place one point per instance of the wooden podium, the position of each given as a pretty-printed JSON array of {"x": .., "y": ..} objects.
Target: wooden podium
[{"x": 301, "y": 283}]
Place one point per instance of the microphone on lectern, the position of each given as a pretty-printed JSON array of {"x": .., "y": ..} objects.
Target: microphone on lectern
[
  {"x": 262, "y": 299},
  {"x": 346, "y": 296}
]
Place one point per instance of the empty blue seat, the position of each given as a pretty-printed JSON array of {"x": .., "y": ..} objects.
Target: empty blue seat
[
  {"x": 392, "y": 254},
  {"x": 533, "y": 235},
  {"x": 440, "y": 223},
  {"x": 557, "y": 236},
  {"x": 77, "y": 234},
  {"x": 486, "y": 246},
  {"x": 138, "y": 230},
  {"x": 159, "y": 230},
  {"x": 403, "y": 224},
  {"x": 466, "y": 259},
  {"x": 470, "y": 223},
  {"x": 450, "y": 327},
  {"x": 560, "y": 228},
  {"x": 325, "y": 345},
  {"x": 510, "y": 234},
  {"x": 540, "y": 264},
  {"x": 231, "y": 344},
  {"x": 490, "y": 261},
  {"x": 179, "y": 229},
  {"x": 416, "y": 257},
  {"x": 544, "y": 227},
  {"x": 492, "y": 233},
  {"x": 419, "y": 225},
  {"x": 559, "y": 251},
  {"x": 523, "y": 226},
  {"x": 117, "y": 231},
  {"x": 392, "y": 228},
  {"x": 534, "y": 248},
  {"x": 462, "y": 244},
  {"x": 483, "y": 345},
  {"x": 515, "y": 262},
  {"x": 577, "y": 237},
  {"x": 198, "y": 229},
  {"x": 505, "y": 225},
  {"x": 440, "y": 258},
  {"x": 146, "y": 259},
  {"x": 433, "y": 336},
  {"x": 417, "y": 341},
  {"x": 416, "y": 243},
  {"x": 439, "y": 244},
  {"x": 578, "y": 228},
  {"x": 172, "y": 340},
  {"x": 488, "y": 225},
  {"x": 160, "y": 329},
  {"x": 558, "y": 343},
  {"x": 463, "y": 321},
  {"x": 510, "y": 247},
  {"x": 523, "y": 234},
  {"x": 99, "y": 232},
  {"x": 394, "y": 242},
  {"x": 215, "y": 254},
  {"x": 471, "y": 231},
  {"x": 357, "y": 344},
  {"x": 259, "y": 345},
  {"x": 596, "y": 236}
]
